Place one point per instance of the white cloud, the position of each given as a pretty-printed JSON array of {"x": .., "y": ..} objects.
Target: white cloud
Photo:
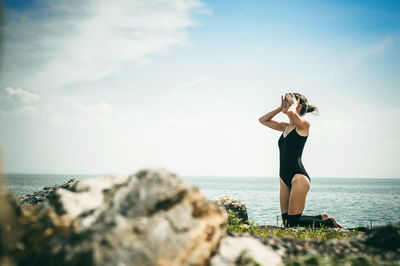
[
  {"x": 24, "y": 111},
  {"x": 60, "y": 115},
  {"x": 22, "y": 95},
  {"x": 371, "y": 50},
  {"x": 344, "y": 63},
  {"x": 186, "y": 122},
  {"x": 86, "y": 114},
  {"x": 101, "y": 108},
  {"x": 192, "y": 83},
  {"x": 182, "y": 87},
  {"x": 97, "y": 38}
]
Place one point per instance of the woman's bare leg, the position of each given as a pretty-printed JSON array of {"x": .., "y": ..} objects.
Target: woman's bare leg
[
  {"x": 284, "y": 200},
  {"x": 298, "y": 194},
  {"x": 284, "y": 197},
  {"x": 297, "y": 199}
]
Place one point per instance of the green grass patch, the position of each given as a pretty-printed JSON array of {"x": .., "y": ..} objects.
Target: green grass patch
[{"x": 236, "y": 225}]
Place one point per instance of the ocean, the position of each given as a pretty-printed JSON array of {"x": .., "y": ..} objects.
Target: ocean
[{"x": 352, "y": 201}]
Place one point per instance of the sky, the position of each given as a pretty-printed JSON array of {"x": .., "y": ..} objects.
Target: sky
[{"x": 112, "y": 87}]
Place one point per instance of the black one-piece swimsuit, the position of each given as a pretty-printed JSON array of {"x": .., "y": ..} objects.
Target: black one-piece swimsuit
[{"x": 291, "y": 149}]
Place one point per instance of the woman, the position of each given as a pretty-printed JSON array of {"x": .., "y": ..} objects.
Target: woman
[{"x": 294, "y": 179}]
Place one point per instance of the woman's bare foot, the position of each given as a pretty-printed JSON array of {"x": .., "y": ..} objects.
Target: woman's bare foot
[
  {"x": 324, "y": 216},
  {"x": 336, "y": 224}
]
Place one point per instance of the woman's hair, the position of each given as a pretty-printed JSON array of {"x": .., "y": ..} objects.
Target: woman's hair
[{"x": 306, "y": 108}]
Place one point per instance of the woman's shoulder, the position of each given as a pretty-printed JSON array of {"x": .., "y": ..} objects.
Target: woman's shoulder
[
  {"x": 305, "y": 125},
  {"x": 304, "y": 130}
]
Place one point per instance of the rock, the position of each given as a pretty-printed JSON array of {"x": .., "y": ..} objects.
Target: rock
[
  {"x": 237, "y": 207},
  {"x": 153, "y": 218},
  {"x": 150, "y": 218},
  {"x": 244, "y": 250},
  {"x": 10, "y": 232},
  {"x": 46, "y": 192},
  {"x": 385, "y": 237}
]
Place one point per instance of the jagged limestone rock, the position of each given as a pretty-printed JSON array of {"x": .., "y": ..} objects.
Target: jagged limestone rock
[
  {"x": 150, "y": 218},
  {"x": 42, "y": 195},
  {"x": 231, "y": 204}
]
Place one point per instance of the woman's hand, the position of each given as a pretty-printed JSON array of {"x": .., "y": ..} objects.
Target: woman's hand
[
  {"x": 292, "y": 99},
  {"x": 283, "y": 101}
]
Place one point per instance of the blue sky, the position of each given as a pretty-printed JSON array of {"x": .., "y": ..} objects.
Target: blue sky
[{"x": 114, "y": 87}]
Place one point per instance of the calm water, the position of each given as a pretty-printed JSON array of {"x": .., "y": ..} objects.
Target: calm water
[{"x": 352, "y": 201}]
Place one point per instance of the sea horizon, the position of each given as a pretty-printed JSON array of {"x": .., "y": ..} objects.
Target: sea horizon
[
  {"x": 195, "y": 176},
  {"x": 352, "y": 201}
]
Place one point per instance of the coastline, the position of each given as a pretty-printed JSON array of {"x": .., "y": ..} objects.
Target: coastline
[
  {"x": 72, "y": 208},
  {"x": 359, "y": 202}
]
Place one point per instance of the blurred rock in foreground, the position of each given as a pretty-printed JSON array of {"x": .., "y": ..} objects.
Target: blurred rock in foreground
[
  {"x": 244, "y": 250},
  {"x": 150, "y": 218},
  {"x": 154, "y": 218}
]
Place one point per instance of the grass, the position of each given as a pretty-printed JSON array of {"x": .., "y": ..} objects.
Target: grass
[{"x": 236, "y": 225}]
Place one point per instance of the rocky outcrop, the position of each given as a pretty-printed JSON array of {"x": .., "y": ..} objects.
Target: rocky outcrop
[
  {"x": 381, "y": 242},
  {"x": 150, "y": 218},
  {"x": 46, "y": 192},
  {"x": 230, "y": 204},
  {"x": 244, "y": 250},
  {"x": 384, "y": 237},
  {"x": 154, "y": 218}
]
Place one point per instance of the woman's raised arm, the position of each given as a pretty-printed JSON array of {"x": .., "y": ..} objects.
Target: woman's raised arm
[{"x": 267, "y": 120}]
